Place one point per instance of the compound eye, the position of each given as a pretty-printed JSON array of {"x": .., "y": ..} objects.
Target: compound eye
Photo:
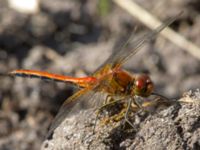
[
  {"x": 143, "y": 85},
  {"x": 140, "y": 83}
]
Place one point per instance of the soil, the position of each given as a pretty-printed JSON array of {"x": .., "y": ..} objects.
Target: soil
[{"x": 74, "y": 38}]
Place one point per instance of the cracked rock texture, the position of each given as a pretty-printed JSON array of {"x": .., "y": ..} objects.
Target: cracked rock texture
[{"x": 174, "y": 127}]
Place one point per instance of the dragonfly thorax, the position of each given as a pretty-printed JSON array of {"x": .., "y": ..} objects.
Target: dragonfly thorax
[{"x": 143, "y": 86}]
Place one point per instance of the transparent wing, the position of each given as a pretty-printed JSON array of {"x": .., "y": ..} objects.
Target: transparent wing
[
  {"x": 83, "y": 99},
  {"x": 132, "y": 47}
]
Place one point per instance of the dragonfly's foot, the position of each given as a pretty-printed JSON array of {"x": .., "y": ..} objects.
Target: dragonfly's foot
[{"x": 126, "y": 120}]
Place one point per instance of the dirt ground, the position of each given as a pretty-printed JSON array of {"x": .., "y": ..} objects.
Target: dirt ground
[{"x": 74, "y": 38}]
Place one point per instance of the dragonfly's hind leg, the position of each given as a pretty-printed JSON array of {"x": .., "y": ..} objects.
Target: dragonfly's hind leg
[
  {"x": 100, "y": 109},
  {"x": 108, "y": 101}
]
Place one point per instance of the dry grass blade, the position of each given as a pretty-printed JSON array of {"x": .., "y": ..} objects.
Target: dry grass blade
[{"x": 150, "y": 21}]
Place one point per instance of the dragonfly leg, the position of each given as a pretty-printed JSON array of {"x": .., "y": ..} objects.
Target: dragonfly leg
[
  {"x": 97, "y": 115},
  {"x": 98, "y": 112},
  {"x": 110, "y": 103},
  {"x": 127, "y": 112},
  {"x": 107, "y": 103},
  {"x": 137, "y": 103},
  {"x": 107, "y": 100},
  {"x": 145, "y": 104}
]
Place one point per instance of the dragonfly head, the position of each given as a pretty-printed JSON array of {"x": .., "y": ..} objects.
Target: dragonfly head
[{"x": 143, "y": 86}]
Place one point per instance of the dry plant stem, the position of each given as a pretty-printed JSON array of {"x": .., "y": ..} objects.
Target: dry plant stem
[{"x": 151, "y": 22}]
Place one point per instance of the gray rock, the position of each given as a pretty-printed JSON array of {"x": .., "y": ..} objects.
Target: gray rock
[{"x": 174, "y": 127}]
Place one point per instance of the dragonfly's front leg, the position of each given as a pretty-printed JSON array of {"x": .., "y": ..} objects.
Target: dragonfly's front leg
[
  {"x": 134, "y": 104},
  {"x": 130, "y": 101}
]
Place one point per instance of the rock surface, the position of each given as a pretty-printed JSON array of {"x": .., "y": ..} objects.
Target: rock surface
[{"x": 175, "y": 127}]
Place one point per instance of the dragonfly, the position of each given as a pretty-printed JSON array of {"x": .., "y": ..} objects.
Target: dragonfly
[{"x": 109, "y": 80}]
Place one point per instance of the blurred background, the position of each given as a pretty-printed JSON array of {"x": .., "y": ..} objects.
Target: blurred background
[{"x": 74, "y": 38}]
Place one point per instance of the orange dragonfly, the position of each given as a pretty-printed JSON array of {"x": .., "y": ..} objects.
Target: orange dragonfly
[{"x": 108, "y": 80}]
